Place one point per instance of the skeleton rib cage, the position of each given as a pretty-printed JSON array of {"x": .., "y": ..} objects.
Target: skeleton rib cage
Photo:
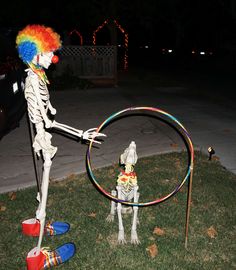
[
  {"x": 128, "y": 195},
  {"x": 34, "y": 112}
]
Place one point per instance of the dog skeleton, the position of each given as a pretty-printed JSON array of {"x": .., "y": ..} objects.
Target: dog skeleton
[{"x": 126, "y": 189}]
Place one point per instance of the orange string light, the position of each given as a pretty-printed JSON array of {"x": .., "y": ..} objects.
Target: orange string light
[
  {"x": 78, "y": 34},
  {"x": 126, "y": 39},
  {"x": 126, "y": 44},
  {"x": 98, "y": 29}
]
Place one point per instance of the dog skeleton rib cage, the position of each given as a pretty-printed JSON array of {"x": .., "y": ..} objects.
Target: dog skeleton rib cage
[
  {"x": 126, "y": 189},
  {"x": 36, "y": 45}
]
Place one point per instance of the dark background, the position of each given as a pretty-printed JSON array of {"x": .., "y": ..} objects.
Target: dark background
[{"x": 181, "y": 25}]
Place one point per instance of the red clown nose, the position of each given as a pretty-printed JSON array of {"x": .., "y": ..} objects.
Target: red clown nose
[{"x": 55, "y": 59}]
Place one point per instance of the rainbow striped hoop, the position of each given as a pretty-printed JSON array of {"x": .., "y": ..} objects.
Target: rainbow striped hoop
[{"x": 185, "y": 135}]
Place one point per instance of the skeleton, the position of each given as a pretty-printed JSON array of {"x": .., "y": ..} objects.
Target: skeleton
[
  {"x": 38, "y": 102},
  {"x": 39, "y": 112},
  {"x": 126, "y": 189}
]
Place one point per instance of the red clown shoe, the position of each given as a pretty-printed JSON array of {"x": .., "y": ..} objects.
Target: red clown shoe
[
  {"x": 31, "y": 227},
  {"x": 45, "y": 259}
]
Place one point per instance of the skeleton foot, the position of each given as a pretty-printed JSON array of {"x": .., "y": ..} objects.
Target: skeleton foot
[
  {"x": 121, "y": 237},
  {"x": 110, "y": 218},
  {"x": 134, "y": 238}
]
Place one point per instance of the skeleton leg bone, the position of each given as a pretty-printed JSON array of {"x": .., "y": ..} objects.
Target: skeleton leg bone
[
  {"x": 121, "y": 233},
  {"x": 134, "y": 235},
  {"x": 32, "y": 227},
  {"x": 39, "y": 258},
  {"x": 38, "y": 56},
  {"x": 110, "y": 217},
  {"x": 41, "y": 212}
]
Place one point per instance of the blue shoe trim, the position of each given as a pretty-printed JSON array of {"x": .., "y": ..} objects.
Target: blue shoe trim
[
  {"x": 60, "y": 227},
  {"x": 66, "y": 251}
]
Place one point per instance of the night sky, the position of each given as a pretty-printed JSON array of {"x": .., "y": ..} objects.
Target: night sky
[{"x": 176, "y": 23}]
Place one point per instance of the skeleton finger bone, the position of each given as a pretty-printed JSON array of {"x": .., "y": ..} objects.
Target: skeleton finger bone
[{"x": 88, "y": 135}]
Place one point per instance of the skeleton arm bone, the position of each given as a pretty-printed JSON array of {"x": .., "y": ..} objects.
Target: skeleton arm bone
[
  {"x": 89, "y": 135},
  {"x": 52, "y": 110}
]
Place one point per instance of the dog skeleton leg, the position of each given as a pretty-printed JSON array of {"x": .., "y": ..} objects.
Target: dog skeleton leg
[
  {"x": 121, "y": 233},
  {"x": 134, "y": 235}
]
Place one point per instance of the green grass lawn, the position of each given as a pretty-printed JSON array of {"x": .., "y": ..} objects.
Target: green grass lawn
[{"x": 212, "y": 231}]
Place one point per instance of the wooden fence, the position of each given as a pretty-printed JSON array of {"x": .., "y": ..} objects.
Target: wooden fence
[{"x": 88, "y": 62}]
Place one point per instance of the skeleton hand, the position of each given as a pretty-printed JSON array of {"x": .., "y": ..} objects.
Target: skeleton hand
[{"x": 90, "y": 134}]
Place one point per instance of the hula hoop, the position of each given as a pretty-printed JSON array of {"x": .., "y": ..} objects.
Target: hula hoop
[{"x": 189, "y": 147}]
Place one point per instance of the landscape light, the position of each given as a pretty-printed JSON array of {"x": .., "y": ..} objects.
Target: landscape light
[{"x": 211, "y": 152}]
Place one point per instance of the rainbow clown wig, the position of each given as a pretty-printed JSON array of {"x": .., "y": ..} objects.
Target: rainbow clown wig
[{"x": 35, "y": 39}]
